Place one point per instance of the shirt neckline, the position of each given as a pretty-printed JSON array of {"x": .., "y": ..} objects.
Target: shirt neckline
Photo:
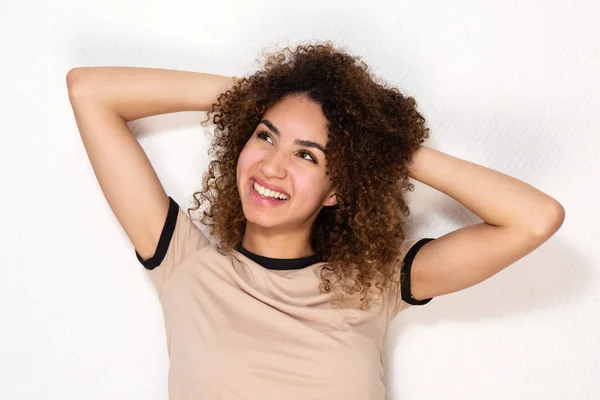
[{"x": 279, "y": 263}]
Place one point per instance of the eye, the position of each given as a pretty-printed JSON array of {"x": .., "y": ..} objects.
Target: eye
[
  {"x": 263, "y": 135},
  {"x": 305, "y": 155}
]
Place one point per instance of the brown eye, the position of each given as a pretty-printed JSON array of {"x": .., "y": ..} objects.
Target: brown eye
[
  {"x": 305, "y": 155},
  {"x": 262, "y": 135}
]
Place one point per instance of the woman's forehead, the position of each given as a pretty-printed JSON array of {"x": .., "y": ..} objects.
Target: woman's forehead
[{"x": 297, "y": 117}]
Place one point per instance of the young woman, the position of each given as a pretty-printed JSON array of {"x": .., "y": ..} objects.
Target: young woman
[{"x": 305, "y": 197}]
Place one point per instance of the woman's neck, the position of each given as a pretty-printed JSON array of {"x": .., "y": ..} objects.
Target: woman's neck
[{"x": 266, "y": 243}]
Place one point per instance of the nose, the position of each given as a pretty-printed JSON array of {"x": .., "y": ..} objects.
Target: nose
[{"x": 273, "y": 165}]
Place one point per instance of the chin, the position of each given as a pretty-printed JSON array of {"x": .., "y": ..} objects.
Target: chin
[
  {"x": 268, "y": 220},
  {"x": 262, "y": 221}
]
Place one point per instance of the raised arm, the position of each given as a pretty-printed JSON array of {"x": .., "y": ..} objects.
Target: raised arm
[
  {"x": 103, "y": 100},
  {"x": 518, "y": 218}
]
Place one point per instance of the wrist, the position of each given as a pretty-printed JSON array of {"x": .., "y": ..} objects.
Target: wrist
[{"x": 416, "y": 161}]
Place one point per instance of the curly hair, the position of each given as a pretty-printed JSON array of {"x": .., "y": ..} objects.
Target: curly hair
[{"x": 373, "y": 131}]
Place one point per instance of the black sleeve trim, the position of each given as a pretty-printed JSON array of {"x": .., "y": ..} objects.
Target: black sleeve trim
[
  {"x": 405, "y": 274},
  {"x": 165, "y": 238}
]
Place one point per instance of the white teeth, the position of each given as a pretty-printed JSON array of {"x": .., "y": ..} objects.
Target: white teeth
[{"x": 269, "y": 193}]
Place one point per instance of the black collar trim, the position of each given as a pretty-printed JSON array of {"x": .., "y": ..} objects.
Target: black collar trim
[{"x": 279, "y": 263}]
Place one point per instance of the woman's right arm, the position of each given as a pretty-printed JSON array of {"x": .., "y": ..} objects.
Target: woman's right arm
[{"x": 103, "y": 100}]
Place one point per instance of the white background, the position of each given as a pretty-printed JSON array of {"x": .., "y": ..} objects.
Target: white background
[{"x": 511, "y": 85}]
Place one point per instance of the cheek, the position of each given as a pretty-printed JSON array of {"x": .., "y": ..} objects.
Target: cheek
[
  {"x": 312, "y": 187},
  {"x": 247, "y": 158}
]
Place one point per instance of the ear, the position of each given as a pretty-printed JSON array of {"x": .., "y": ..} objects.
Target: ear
[{"x": 330, "y": 200}]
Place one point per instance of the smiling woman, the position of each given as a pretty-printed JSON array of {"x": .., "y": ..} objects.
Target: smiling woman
[
  {"x": 305, "y": 198},
  {"x": 284, "y": 160},
  {"x": 321, "y": 129}
]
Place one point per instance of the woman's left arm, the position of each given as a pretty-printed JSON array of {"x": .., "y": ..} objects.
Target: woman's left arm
[{"x": 518, "y": 219}]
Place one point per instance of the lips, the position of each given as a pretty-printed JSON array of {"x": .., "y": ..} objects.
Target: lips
[{"x": 269, "y": 186}]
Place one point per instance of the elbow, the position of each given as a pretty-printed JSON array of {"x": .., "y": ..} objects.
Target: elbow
[
  {"x": 74, "y": 79},
  {"x": 553, "y": 219}
]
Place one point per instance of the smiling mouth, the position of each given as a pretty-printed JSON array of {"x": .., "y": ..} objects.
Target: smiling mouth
[{"x": 267, "y": 193}]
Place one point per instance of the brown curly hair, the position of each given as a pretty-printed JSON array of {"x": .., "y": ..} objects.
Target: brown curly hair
[{"x": 373, "y": 132}]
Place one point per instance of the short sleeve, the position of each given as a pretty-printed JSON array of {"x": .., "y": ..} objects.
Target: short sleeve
[
  {"x": 179, "y": 238},
  {"x": 404, "y": 299}
]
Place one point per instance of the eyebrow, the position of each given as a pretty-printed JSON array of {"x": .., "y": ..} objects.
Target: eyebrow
[{"x": 305, "y": 143}]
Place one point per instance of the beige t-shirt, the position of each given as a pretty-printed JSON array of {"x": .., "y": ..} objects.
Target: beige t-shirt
[{"x": 237, "y": 330}]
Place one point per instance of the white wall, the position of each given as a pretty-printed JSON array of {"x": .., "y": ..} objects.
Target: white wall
[{"x": 512, "y": 85}]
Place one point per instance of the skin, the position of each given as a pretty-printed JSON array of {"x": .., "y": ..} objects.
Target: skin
[{"x": 283, "y": 231}]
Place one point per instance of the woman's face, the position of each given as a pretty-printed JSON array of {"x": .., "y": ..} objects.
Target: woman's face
[{"x": 285, "y": 155}]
